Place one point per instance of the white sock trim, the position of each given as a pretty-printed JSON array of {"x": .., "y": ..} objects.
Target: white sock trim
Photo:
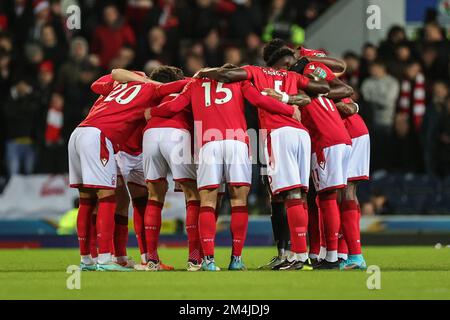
[{"x": 104, "y": 258}]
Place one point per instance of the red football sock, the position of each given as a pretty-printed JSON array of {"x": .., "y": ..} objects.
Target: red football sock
[
  {"x": 323, "y": 242},
  {"x": 120, "y": 236},
  {"x": 152, "y": 222},
  {"x": 139, "y": 206},
  {"x": 85, "y": 210},
  {"x": 105, "y": 224},
  {"x": 298, "y": 225},
  {"x": 207, "y": 229},
  {"x": 192, "y": 209},
  {"x": 239, "y": 225},
  {"x": 313, "y": 229},
  {"x": 329, "y": 209},
  {"x": 350, "y": 226},
  {"x": 342, "y": 244},
  {"x": 93, "y": 239}
]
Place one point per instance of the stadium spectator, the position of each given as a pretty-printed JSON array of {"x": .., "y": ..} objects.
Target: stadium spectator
[
  {"x": 444, "y": 141},
  {"x": 194, "y": 62},
  {"x": 233, "y": 55},
  {"x": 72, "y": 86},
  {"x": 431, "y": 123},
  {"x": 281, "y": 19},
  {"x": 253, "y": 50},
  {"x": 154, "y": 47},
  {"x": 247, "y": 18},
  {"x": 124, "y": 59},
  {"x": 396, "y": 35},
  {"x": 109, "y": 37},
  {"x": 380, "y": 91},
  {"x": 212, "y": 49},
  {"x": 369, "y": 55},
  {"x": 52, "y": 49},
  {"x": 20, "y": 112},
  {"x": 352, "y": 72}
]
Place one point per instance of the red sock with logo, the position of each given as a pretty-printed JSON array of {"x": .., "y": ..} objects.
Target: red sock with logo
[
  {"x": 192, "y": 212},
  {"x": 93, "y": 238},
  {"x": 342, "y": 244},
  {"x": 207, "y": 229},
  {"x": 298, "y": 225},
  {"x": 105, "y": 224},
  {"x": 120, "y": 235},
  {"x": 139, "y": 206},
  {"x": 152, "y": 222},
  {"x": 350, "y": 226},
  {"x": 239, "y": 225},
  {"x": 85, "y": 210},
  {"x": 329, "y": 209}
]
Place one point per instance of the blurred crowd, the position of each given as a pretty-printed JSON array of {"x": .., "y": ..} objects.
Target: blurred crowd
[{"x": 46, "y": 68}]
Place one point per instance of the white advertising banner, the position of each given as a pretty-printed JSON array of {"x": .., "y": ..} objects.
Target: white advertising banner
[{"x": 49, "y": 196}]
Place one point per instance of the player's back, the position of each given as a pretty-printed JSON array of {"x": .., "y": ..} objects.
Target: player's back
[
  {"x": 118, "y": 113},
  {"x": 218, "y": 108},
  {"x": 181, "y": 120},
  {"x": 281, "y": 81},
  {"x": 324, "y": 123}
]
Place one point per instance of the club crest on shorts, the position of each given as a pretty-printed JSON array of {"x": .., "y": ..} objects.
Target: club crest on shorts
[
  {"x": 104, "y": 161},
  {"x": 322, "y": 165}
]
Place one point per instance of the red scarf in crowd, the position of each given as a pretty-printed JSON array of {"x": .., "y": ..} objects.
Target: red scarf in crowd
[
  {"x": 412, "y": 99},
  {"x": 55, "y": 120}
]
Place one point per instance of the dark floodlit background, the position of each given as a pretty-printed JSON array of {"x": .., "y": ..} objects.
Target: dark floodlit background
[{"x": 399, "y": 70}]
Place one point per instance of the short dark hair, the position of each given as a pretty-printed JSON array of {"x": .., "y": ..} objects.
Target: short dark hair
[
  {"x": 166, "y": 74},
  {"x": 350, "y": 55},
  {"x": 274, "y": 50},
  {"x": 378, "y": 62}
]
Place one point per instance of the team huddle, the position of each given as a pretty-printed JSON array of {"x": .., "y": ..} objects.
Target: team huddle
[{"x": 141, "y": 129}]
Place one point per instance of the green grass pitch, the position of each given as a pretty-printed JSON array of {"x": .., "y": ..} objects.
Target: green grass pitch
[{"x": 406, "y": 273}]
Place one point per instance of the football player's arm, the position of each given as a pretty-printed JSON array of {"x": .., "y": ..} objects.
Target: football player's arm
[
  {"x": 339, "y": 90},
  {"x": 267, "y": 103},
  {"x": 300, "y": 99},
  {"x": 224, "y": 75},
  {"x": 312, "y": 85},
  {"x": 172, "y": 87},
  {"x": 169, "y": 108},
  {"x": 123, "y": 76},
  {"x": 336, "y": 65},
  {"x": 347, "y": 107},
  {"x": 103, "y": 86}
]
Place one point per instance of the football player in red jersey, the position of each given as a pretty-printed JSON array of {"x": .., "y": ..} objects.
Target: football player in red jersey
[
  {"x": 287, "y": 147},
  {"x": 92, "y": 166},
  {"x": 167, "y": 148},
  {"x": 331, "y": 150},
  {"x": 358, "y": 171},
  {"x": 224, "y": 151}
]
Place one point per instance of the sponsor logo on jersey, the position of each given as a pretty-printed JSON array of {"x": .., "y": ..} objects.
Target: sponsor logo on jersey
[{"x": 319, "y": 72}]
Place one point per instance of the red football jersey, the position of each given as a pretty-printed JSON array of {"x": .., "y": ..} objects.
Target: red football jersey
[
  {"x": 281, "y": 81},
  {"x": 180, "y": 120},
  {"x": 321, "y": 116},
  {"x": 119, "y": 112},
  {"x": 218, "y": 108},
  {"x": 355, "y": 125}
]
